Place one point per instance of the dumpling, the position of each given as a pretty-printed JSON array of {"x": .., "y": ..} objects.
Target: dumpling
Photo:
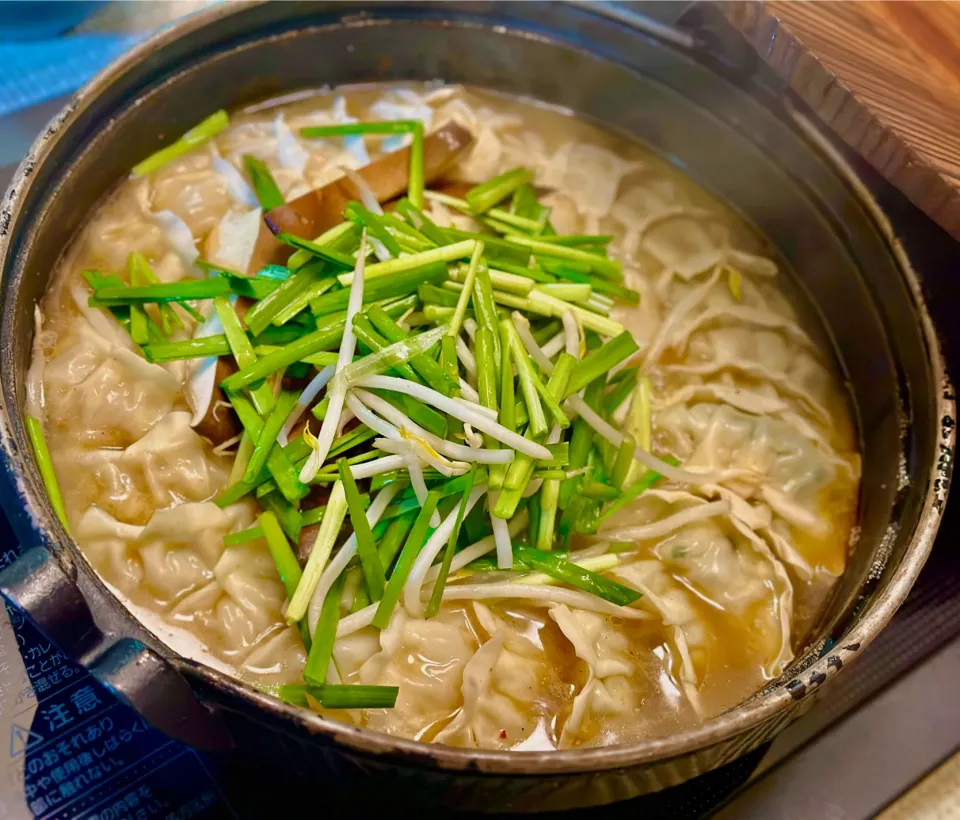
[
  {"x": 789, "y": 469},
  {"x": 108, "y": 395},
  {"x": 510, "y": 691},
  {"x": 174, "y": 462},
  {"x": 610, "y": 690},
  {"x": 179, "y": 548},
  {"x": 243, "y": 603},
  {"x": 688, "y": 635},
  {"x": 425, "y": 659},
  {"x": 107, "y": 544},
  {"x": 279, "y": 658},
  {"x": 191, "y": 188},
  {"x": 122, "y": 226}
]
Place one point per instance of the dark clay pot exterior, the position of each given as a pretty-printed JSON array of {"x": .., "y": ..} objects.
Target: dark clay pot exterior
[{"x": 610, "y": 64}]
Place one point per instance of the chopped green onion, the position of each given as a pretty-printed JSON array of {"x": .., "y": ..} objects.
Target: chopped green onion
[
  {"x": 734, "y": 283},
  {"x": 469, "y": 278},
  {"x": 416, "y": 181},
  {"x": 599, "y": 362},
  {"x": 437, "y": 595},
  {"x": 389, "y": 287},
  {"x": 483, "y": 197},
  {"x": 599, "y": 265},
  {"x": 623, "y": 462},
  {"x": 197, "y": 135},
  {"x": 416, "y": 261},
  {"x": 322, "y": 547}
]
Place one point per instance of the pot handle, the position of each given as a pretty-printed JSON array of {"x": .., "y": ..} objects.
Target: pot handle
[{"x": 39, "y": 587}]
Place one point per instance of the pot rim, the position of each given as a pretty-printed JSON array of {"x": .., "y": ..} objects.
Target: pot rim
[{"x": 738, "y": 720}]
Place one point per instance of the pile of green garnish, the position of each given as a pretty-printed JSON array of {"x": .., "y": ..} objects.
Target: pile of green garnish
[{"x": 484, "y": 370}]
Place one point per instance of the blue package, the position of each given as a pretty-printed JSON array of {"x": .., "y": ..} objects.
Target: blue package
[{"x": 33, "y": 72}]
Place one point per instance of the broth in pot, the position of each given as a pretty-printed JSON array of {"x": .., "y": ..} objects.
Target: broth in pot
[{"x": 448, "y": 415}]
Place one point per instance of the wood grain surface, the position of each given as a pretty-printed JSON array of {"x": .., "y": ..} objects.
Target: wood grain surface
[{"x": 884, "y": 75}]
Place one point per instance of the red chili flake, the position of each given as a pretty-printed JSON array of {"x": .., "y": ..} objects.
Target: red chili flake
[{"x": 503, "y": 734}]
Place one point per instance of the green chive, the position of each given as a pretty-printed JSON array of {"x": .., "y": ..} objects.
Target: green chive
[
  {"x": 393, "y": 538},
  {"x": 242, "y": 350},
  {"x": 577, "y": 577},
  {"x": 264, "y": 184},
  {"x": 644, "y": 483},
  {"x": 188, "y": 349},
  {"x": 530, "y": 384},
  {"x": 366, "y": 548},
  {"x": 359, "y": 697},
  {"x": 45, "y": 465},
  {"x": 323, "y": 252},
  {"x": 278, "y": 463},
  {"x": 324, "y": 636},
  {"x": 292, "y": 296},
  {"x": 419, "y": 220},
  {"x": 432, "y": 373},
  {"x": 268, "y": 436},
  {"x": 349, "y": 129},
  {"x": 325, "y": 337},
  {"x": 197, "y": 135},
  {"x": 374, "y": 225},
  {"x": 281, "y": 551},
  {"x": 234, "y": 539},
  {"x": 343, "y": 237},
  {"x": 170, "y": 292},
  {"x": 431, "y": 293}
]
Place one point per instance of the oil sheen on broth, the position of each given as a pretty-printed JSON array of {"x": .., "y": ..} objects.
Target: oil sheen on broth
[{"x": 733, "y": 573}]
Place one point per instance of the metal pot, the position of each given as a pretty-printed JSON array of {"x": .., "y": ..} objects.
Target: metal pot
[{"x": 610, "y": 65}]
